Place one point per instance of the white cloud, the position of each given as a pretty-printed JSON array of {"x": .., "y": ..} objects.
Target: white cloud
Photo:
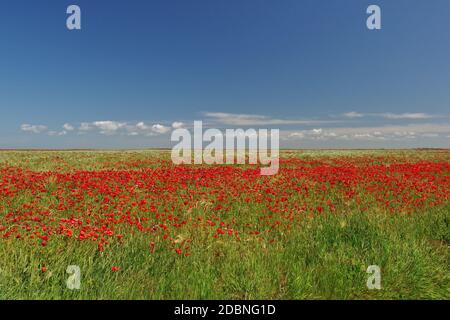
[
  {"x": 56, "y": 133},
  {"x": 410, "y": 131},
  {"x": 353, "y": 114},
  {"x": 404, "y": 133},
  {"x": 68, "y": 127},
  {"x": 305, "y": 130},
  {"x": 33, "y": 128},
  {"x": 105, "y": 127},
  {"x": 142, "y": 126},
  {"x": 159, "y": 128},
  {"x": 115, "y": 127},
  {"x": 108, "y": 127},
  {"x": 430, "y": 135},
  {"x": 296, "y": 135},
  {"x": 177, "y": 125},
  {"x": 85, "y": 126},
  {"x": 362, "y": 135},
  {"x": 234, "y": 119},
  {"x": 392, "y": 116},
  {"x": 312, "y": 134},
  {"x": 407, "y": 115}
]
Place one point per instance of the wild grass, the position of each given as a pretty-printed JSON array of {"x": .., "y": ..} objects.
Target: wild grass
[{"x": 323, "y": 257}]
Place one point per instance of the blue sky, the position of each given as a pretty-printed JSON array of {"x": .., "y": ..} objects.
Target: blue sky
[{"x": 137, "y": 69}]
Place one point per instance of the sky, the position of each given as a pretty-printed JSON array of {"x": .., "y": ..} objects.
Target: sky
[{"x": 137, "y": 70}]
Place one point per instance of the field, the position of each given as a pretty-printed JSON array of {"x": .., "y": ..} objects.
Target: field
[{"x": 139, "y": 227}]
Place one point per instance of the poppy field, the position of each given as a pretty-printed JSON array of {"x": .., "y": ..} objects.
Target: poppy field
[{"x": 139, "y": 227}]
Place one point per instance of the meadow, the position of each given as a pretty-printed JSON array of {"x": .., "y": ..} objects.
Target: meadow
[{"x": 139, "y": 227}]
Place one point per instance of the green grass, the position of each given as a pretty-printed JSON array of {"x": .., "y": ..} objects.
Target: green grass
[{"x": 324, "y": 258}]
